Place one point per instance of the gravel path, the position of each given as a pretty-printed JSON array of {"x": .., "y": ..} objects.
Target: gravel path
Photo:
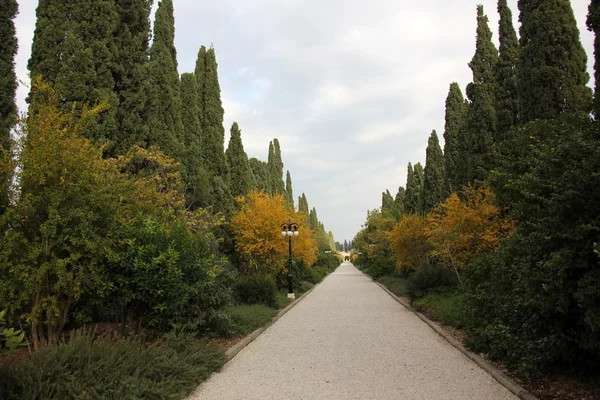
[{"x": 348, "y": 339}]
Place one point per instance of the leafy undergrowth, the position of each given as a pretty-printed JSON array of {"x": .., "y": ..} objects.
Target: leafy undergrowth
[
  {"x": 108, "y": 367},
  {"x": 445, "y": 305},
  {"x": 396, "y": 284},
  {"x": 247, "y": 318}
]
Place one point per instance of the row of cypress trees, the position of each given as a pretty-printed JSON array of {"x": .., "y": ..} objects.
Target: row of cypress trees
[
  {"x": 100, "y": 51},
  {"x": 540, "y": 76},
  {"x": 529, "y": 130}
]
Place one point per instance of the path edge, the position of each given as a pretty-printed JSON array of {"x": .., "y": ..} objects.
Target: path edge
[
  {"x": 502, "y": 379},
  {"x": 232, "y": 352}
]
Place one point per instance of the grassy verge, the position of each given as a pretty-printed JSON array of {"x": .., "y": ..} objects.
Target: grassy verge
[
  {"x": 111, "y": 368},
  {"x": 247, "y": 318},
  {"x": 396, "y": 284},
  {"x": 445, "y": 305}
]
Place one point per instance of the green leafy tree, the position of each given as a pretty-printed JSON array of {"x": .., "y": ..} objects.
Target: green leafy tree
[
  {"x": 411, "y": 195},
  {"x": 74, "y": 47},
  {"x": 289, "y": 193},
  {"x": 454, "y": 159},
  {"x": 548, "y": 273},
  {"x": 211, "y": 119},
  {"x": 260, "y": 170},
  {"x": 195, "y": 177},
  {"x": 507, "y": 99},
  {"x": 551, "y": 75},
  {"x": 8, "y": 87},
  {"x": 481, "y": 118},
  {"x": 433, "y": 185},
  {"x": 164, "y": 96},
  {"x": 399, "y": 203},
  {"x": 387, "y": 203},
  {"x": 593, "y": 24},
  {"x": 240, "y": 173},
  {"x": 131, "y": 38},
  {"x": 276, "y": 167}
]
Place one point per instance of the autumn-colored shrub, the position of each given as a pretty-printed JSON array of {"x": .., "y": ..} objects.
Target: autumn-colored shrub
[
  {"x": 408, "y": 243},
  {"x": 257, "y": 228}
]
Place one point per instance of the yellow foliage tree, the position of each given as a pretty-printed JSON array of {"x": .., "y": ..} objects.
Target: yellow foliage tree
[
  {"x": 257, "y": 227},
  {"x": 408, "y": 243},
  {"x": 461, "y": 230}
]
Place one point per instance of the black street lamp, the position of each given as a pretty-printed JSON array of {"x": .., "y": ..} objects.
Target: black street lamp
[{"x": 290, "y": 229}]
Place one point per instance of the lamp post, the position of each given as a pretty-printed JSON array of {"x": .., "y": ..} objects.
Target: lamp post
[{"x": 290, "y": 229}]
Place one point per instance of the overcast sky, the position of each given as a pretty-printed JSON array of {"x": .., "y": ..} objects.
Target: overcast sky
[{"x": 352, "y": 89}]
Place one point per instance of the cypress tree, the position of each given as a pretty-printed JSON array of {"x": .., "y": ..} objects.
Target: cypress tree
[
  {"x": 456, "y": 109},
  {"x": 419, "y": 181},
  {"x": 211, "y": 119},
  {"x": 74, "y": 48},
  {"x": 276, "y": 167},
  {"x": 260, "y": 170},
  {"x": 507, "y": 99},
  {"x": 132, "y": 39},
  {"x": 433, "y": 185},
  {"x": 8, "y": 87},
  {"x": 196, "y": 179},
  {"x": 387, "y": 203},
  {"x": 552, "y": 76},
  {"x": 593, "y": 24},
  {"x": 240, "y": 173},
  {"x": 289, "y": 193},
  {"x": 303, "y": 204},
  {"x": 164, "y": 116},
  {"x": 399, "y": 203},
  {"x": 200, "y": 74},
  {"x": 314, "y": 220},
  {"x": 410, "y": 205},
  {"x": 481, "y": 118}
]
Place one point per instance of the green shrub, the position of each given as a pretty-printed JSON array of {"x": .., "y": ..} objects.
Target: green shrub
[
  {"x": 429, "y": 277},
  {"x": 247, "y": 318},
  {"x": 316, "y": 274},
  {"x": 305, "y": 287},
  {"x": 256, "y": 289},
  {"x": 111, "y": 368},
  {"x": 396, "y": 283},
  {"x": 446, "y": 305},
  {"x": 299, "y": 273},
  {"x": 381, "y": 266}
]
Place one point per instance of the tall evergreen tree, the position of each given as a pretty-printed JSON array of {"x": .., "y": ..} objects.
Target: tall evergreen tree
[
  {"x": 200, "y": 74},
  {"x": 165, "y": 127},
  {"x": 593, "y": 23},
  {"x": 276, "y": 167},
  {"x": 240, "y": 173},
  {"x": 507, "y": 98},
  {"x": 454, "y": 159},
  {"x": 132, "y": 39},
  {"x": 419, "y": 182},
  {"x": 433, "y": 185},
  {"x": 74, "y": 48},
  {"x": 481, "y": 118},
  {"x": 196, "y": 179},
  {"x": 387, "y": 203},
  {"x": 213, "y": 133},
  {"x": 399, "y": 203},
  {"x": 260, "y": 170},
  {"x": 8, "y": 87},
  {"x": 303, "y": 204},
  {"x": 410, "y": 198},
  {"x": 313, "y": 220},
  {"x": 289, "y": 193},
  {"x": 552, "y": 75}
]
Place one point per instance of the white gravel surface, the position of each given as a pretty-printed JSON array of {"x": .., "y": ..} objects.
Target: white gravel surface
[{"x": 348, "y": 339}]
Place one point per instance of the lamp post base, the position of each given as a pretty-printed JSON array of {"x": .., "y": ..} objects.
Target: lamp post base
[{"x": 291, "y": 296}]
